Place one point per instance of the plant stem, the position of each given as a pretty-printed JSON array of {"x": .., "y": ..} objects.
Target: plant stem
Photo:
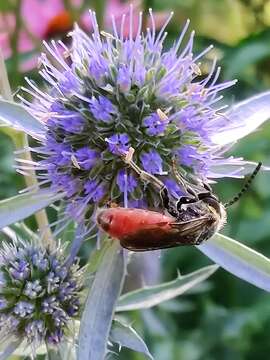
[{"x": 20, "y": 140}]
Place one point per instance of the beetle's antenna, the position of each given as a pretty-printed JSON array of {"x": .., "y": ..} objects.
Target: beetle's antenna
[
  {"x": 151, "y": 179},
  {"x": 245, "y": 187},
  {"x": 145, "y": 176}
]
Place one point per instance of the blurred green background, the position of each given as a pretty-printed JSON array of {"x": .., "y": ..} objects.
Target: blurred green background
[{"x": 226, "y": 318}]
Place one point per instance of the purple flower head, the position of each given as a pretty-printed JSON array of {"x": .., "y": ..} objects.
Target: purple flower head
[
  {"x": 102, "y": 109},
  {"x": 69, "y": 185},
  {"x": 118, "y": 144},
  {"x": 152, "y": 162},
  {"x": 127, "y": 181},
  {"x": 154, "y": 124},
  {"x": 49, "y": 305},
  {"x": 139, "y": 75},
  {"x": 33, "y": 308},
  {"x": 53, "y": 281},
  {"x": 61, "y": 271},
  {"x": 127, "y": 91},
  {"x": 67, "y": 120},
  {"x": 66, "y": 290},
  {"x": 60, "y": 317},
  {"x": 57, "y": 107},
  {"x": 66, "y": 183}
]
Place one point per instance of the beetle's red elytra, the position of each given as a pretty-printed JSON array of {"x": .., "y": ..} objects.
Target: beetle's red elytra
[
  {"x": 121, "y": 222},
  {"x": 144, "y": 230}
]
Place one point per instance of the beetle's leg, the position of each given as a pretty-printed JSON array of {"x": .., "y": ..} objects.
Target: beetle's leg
[
  {"x": 182, "y": 182},
  {"x": 207, "y": 187},
  {"x": 189, "y": 190},
  {"x": 185, "y": 200},
  {"x": 151, "y": 179},
  {"x": 164, "y": 194},
  {"x": 145, "y": 176}
]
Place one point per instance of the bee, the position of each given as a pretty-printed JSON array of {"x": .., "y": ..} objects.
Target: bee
[{"x": 191, "y": 220}]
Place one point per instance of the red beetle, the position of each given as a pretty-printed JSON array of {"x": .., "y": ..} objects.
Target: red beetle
[
  {"x": 142, "y": 230},
  {"x": 193, "y": 219}
]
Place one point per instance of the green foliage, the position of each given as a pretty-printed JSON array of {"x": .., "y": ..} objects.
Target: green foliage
[
  {"x": 21, "y": 206},
  {"x": 9, "y": 182},
  {"x": 147, "y": 297},
  {"x": 231, "y": 320},
  {"x": 7, "y": 5}
]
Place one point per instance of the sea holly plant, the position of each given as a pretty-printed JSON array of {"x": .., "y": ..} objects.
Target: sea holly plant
[{"x": 103, "y": 95}]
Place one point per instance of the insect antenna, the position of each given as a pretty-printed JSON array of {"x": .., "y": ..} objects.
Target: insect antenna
[{"x": 245, "y": 187}]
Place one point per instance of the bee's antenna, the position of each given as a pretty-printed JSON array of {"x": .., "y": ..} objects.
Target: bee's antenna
[{"x": 245, "y": 187}]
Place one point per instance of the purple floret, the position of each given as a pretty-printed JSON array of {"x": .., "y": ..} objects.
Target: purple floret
[
  {"x": 154, "y": 125},
  {"x": 152, "y": 162},
  {"x": 86, "y": 157},
  {"x": 102, "y": 109},
  {"x": 124, "y": 181},
  {"x": 95, "y": 190},
  {"x": 118, "y": 144}
]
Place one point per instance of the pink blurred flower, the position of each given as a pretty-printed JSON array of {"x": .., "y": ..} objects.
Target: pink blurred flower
[{"x": 43, "y": 20}]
